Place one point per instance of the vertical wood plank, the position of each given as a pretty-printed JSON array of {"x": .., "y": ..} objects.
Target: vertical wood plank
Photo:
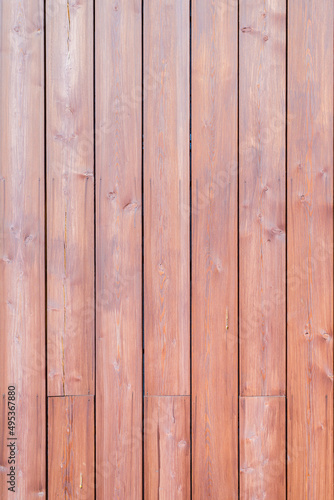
[
  {"x": 310, "y": 250},
  {"x": 262, "y": 63},
  {"x": 22, "y": 291},
  {"x": 166, "y": 193},
  {"x": 70, "y": 197},
  {"x": 71, "y": 447},
  {"x": 262, "y": 448},
  {"x": 119, "y": 250},
  {"x": 214, "y": 250},
  {"x": 167, "y": 447}
]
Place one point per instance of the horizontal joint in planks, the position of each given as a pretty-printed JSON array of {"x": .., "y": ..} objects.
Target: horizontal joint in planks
[
  {"x": 263, "y": 396},
  {"x": 167, "y": 396},
  {"x": 73, "y": 395}
]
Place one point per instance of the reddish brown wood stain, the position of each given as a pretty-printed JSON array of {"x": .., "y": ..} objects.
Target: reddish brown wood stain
[
  {"x": 22, "y": 291},
  {"x": 71, "y": 447},
  {"x": 166, "y": 198},
  {"x": 167, "y": 447},
  {"x": 183, "y": 347},
  {"x": 262, "y": 197},
  {"x": 310, "y": 250},
  {"x": 262, "y": 448},
  {"x": 214, "y": 251},
  {"x": 118, "y": 251}
]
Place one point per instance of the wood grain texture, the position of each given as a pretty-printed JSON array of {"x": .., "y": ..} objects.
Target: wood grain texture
[
  {"x": 310, "y": 250},
  {"x": 167, "y": 448},
  {"x": 119, "y": 250},
  {"x": 262, "y": 448},
  {"x": 70, "y": 197},
  {"x": 22, "y": 291},
  {"x": 166, "y": 197},
  {"x": 262, "y": 63},
  {"x": 214, "y": 250},
  {"x": 71, "y": 447}
]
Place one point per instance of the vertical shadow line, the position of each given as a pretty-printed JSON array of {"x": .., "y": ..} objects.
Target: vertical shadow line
[
  {"x": 286, "y": 245},
  {"x": 190, "y": 243},
  {"x": 45, "y": 262},
  {"x": 142, "y": 229},
  {"x": 94, "y": 169},
  {"x": 238, "y": 237}
]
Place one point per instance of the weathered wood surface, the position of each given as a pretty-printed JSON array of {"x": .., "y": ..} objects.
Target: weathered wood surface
[
  {"x": 262, "y": 82},
  {"x": 167, "y": 447},
  {"x": 166, "y": 198},
  {"x": 22, "y": 291},
  {"x": 310, "y": 250},
  {"x": 165, "y": 177},
  {"x": 70, "y": 197},
  {"x": 118, "y": 250},
  {"x": 262, "y": 448},
  {"x": 214, "y": 250},
  {"x": 71, "y": 447}
]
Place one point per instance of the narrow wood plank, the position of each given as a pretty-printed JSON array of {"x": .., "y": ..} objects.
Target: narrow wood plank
[
  {"x": 214, "y": 250},
  {"x": 71, "y": 447},
  {"x": 262, "y": 448},
  {"x": 22, "y": 291},
  {"x": 166, "y": 193},
  {"x": 262, "y": 63},
  {"x": 70, "y": 197},
  {"x": 167, "y": 447},
  {"x": 119, "y": 250},
  {"x": 310, "y": 250}
]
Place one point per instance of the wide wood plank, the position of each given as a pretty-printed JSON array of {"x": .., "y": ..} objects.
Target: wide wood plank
[
  {"x": 166, "y": 194},
  {"x": 22, "y": 291},
  {"x": 167, "y": 448},
  {"x": 71, "y": 447},
  {"x": 310, "y": 250},
  {"x": 262, "y": 62},
  {"x": 119, "y": 250},
  {"x": 214, "y": 250},
  {"x": 70, "y": 197},
  {"x": 262, "y": 448}
]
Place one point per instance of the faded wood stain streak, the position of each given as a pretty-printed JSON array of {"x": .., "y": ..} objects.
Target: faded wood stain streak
[
  {"x": 22, "y": 291},
  {"x": 214, "y": 250},
  {"x": 262, "y": 91},
  {"x": 310, "y": 250},
  {"x": 70, "y": 198},
  {"x": 119, "y": 250}
]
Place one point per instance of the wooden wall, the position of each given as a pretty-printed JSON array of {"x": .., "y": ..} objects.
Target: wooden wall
[{"x": 166, "y": 249}]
